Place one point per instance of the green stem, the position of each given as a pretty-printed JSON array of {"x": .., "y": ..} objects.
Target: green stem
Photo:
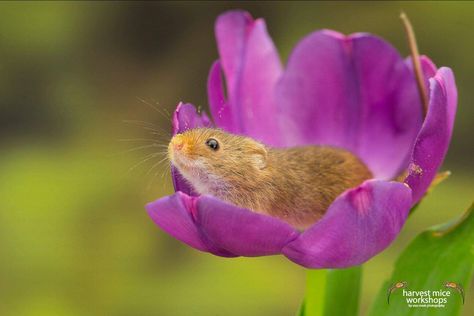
[
  {"x": 315, "y": 288},
  {"x": 332, "y": 292}
]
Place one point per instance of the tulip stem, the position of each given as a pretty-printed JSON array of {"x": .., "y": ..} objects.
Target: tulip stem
[
  {"x": 415, "y": 57},
  {"x": 332, "y": 292},
  {"x": 313, "y": 304}
]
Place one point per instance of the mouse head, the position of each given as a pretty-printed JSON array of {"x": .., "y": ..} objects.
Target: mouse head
[{"x": 205, "y": 155}]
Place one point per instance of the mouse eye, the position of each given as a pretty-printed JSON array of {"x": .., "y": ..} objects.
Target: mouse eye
[{"x": 212, "y": 143}]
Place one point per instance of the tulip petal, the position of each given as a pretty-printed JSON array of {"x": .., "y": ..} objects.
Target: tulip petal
[
  {"x": 172, "y": 215},
  {"x": 176, "y": 214},
  {"x": 427, "y": 66},
  {"x": 354, "y": 92},
  {"x": 240, "y": 231},
  {"x": 433, "y": 139},
  {"x": 211, "y": 225},
  {"x": 186, "y": 117},
  {"x": 251, "y": 66},
  {"x": 220, "y": 109},
  {"x": 429, "y": 70},
  {"x": 359, "y": 224}
]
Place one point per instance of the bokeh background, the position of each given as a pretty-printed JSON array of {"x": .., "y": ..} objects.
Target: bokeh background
[{"x": 74, "y": 236}]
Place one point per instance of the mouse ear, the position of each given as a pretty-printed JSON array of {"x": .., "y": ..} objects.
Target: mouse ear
[{"x": 259, "y": 156}]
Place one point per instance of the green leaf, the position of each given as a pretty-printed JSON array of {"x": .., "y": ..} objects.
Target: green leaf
[
  {"x": 439, "y": 255},
  {"x": 326, "y": 289}
]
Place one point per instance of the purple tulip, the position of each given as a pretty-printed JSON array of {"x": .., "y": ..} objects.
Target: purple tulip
[{"x": 354, "y": 92}]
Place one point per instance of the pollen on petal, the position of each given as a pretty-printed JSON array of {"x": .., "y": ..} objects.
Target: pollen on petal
[{"x": 415, "y": 169}]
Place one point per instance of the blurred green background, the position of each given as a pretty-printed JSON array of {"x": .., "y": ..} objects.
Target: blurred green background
[{"x": 74, "y": 236}]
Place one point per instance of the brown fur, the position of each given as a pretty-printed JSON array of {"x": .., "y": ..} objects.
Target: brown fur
[{"x": 295, "y": 184}]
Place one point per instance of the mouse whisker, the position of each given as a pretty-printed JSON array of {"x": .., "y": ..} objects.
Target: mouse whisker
[
  {"x": 139, "y": 123},
  {"x": 153, "y": 178},
  {"x": 147, "y": 126},
  {"x": 163, "y": 109},
  {"x": 161, "y": 134},
  {"x": 163, "y": 148},
  {"x": 135, "y": 149},
  {"x": 162, "y": 131},
  {"x": 156, "y": 165},
  {"x": 150, "y": 182},
  {"x": 147, "y": 158},
  {"x": 158, "y": 110},
  {"x": 165, "y": 171},
  {"x": 137, "y": 140},
  {"x": 167, "y": 113}
]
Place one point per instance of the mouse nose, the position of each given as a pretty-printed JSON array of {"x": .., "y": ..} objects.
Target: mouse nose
[{"x": 177, "y": 143}]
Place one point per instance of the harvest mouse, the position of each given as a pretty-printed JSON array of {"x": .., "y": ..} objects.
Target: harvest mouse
[{"x": 294, "y": 184}]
